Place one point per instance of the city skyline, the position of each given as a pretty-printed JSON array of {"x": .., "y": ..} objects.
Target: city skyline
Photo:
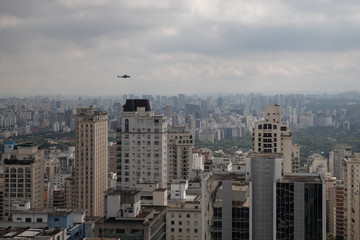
[{"x": 79, "y": 47}]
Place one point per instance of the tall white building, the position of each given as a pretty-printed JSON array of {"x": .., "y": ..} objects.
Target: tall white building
[
  {"x": 273, "y": 136},
  {"x": 142, "y": 146},
  {"x": 91, "y": 160}
]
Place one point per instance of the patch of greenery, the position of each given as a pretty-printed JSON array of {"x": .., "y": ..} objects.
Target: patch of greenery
[
  {"x": 61, "y": 140},
  {"x": 324, "y": 139},
  {"x": 229, "y": 146}
]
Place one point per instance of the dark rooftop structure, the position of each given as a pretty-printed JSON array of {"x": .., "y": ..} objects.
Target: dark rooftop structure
[
  {"x": 132, "y": 104},
  {"x": 27, "y": 144},
  {"x": 305, "y": 178}
]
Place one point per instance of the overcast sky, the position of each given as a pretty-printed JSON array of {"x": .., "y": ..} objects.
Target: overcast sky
[{"x": 168, "y": 47}]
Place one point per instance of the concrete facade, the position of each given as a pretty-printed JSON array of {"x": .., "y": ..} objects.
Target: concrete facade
[
  {"x": 273, "y": 136},
  {"x": 23, "y": 177},
  {"x": 180, "y": 157},
  {"x": 142, "y": 146},
  {"x": 262, "y": 171},
  {"x": 91, "y": 141},
  {"x": 351, "y": 196}
]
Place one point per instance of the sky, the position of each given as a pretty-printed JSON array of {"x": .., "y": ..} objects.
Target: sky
[{"x": 78, "y": 47}]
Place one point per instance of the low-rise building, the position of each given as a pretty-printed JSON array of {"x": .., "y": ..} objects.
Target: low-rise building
[
  {"x": 126, "y": 219},
  {"x": 183, "y": 215}
]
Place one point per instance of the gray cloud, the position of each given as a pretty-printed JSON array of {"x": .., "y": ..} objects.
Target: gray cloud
[{"x": 78, "y": 46}]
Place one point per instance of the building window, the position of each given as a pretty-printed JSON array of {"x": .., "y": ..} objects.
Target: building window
[{"x": 126, "y": 125}]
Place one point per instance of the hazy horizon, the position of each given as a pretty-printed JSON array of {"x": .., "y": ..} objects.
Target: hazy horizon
[{"x": 73, "y": 96}]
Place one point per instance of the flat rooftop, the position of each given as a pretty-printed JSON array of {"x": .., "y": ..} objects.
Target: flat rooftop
[
  {"x": 230, "y": 176},
  {"x": 305, "y": 178},
  {"x": 264, "y": 155},
  {"x": 123, "y": 192}
]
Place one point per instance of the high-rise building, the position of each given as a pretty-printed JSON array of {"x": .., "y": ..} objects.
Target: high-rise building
[
  {"x": 70, "y": 193},
  {"x": 331, "y": 205},
  {"x": 273, "y": 136},
  {"x": 288, "y": 206},
  {"x": 351, "y": 196},
  {"x": 300, "y": 207},
  {"x": 261, "y": 203},
  {"x": 225, "y": 207},
  {"x": 295, "y": 158},
  {"x": 180, "y": 157},
  {"x": 340, "y": 210},
  {"x": 91, "y": 141},
  {"x": 23, "y": 177},
  {"x": 142, "y": 146},
  {"x": 337, "y": 157},
  {"x": 112, "y": 158},
  {"x": 263, "y": 171}
]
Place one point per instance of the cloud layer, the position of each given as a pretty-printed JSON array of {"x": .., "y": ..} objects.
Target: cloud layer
[{"x": 190, "y": 46}]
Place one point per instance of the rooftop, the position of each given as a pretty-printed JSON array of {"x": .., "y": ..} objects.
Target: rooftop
[
  {"x": 160, "y": 190},
  {"x": 123, "y": 192},
  {"x": 264, "y": 155},
  {"x": 143, "y": 214},
  {"x": 305, "y": 178},
  {"x": 233, "y": 176},
  {"x": 131, "y": 105}
]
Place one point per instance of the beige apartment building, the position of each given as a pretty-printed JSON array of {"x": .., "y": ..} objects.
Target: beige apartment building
[
  {"x": 351, "y": 179},
  {"x": 23, "y": 178},
  {"x": 331, "y": 204},
  {"x": 91, "y": 141},
  {"x": 180, "y": 157},
  {"x": 273, "y": 136},
  {"x": 295, "y": 158},
  {"x": 142, "y": 146}
]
